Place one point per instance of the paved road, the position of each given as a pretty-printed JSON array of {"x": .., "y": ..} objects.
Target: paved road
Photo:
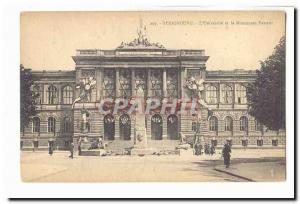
[{"x": 40, "y": 167}]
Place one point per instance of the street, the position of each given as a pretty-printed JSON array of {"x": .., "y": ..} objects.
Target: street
[{"x": 247, "y": 165}]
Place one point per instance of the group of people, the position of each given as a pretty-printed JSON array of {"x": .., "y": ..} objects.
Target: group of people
[{"x": 208, "y": 149}]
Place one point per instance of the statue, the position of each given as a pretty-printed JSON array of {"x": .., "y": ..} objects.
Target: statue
[
  {"x": 140, "y": 92},
  {"x": 85, "y": 90},
  {"x": 196, "y": 87}
]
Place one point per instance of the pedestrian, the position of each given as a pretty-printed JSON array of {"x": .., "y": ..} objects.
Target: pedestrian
[
  {"x": 79, "y": 146},
  {"x": 205, "y": 148},
  {"x": 197, "y": 149},
  {"x": 71, "y": 150},
  {"x": 50, "y": 144},
  {"x": 212, "y": 150},
  {"x": 226, "y": 154},
  {"x": 208, "y": 149}
]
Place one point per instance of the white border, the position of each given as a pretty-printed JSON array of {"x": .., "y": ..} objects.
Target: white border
[{"x": 10, "y": 107}]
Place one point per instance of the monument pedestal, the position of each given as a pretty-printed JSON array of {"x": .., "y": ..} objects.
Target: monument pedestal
[{"x": 140, "y": 137}]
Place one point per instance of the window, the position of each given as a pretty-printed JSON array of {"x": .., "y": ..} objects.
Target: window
[
  {"x": 67, "y": 125},
  {"x": 125, "y": 83},
  {"x": 172, "y": 83},
  {"x": 51, "y": 124},
  {"x": 228, "y": 123},
  {"x": 241, "y": 94},
  {"x": 67, "y": 95},
  {"x": 213, "y": 124},
  {"x": 156, "y": 82},
  {"x": 109, "y": 85},
  {"x": 37, "y": 90},
  {"x": 226, "y": 93},
  {"x": 36, "y": 124},
  {"x": 258, "y": 126},
  {"x": 243, "y": 124},
  {"x": 52, "y": 95},
  {"x": 211, "y": 95}
]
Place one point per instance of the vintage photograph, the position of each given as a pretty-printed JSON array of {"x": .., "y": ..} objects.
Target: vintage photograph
[{"x": 153, "y": 96}]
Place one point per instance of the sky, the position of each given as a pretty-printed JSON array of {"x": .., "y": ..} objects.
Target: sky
[{"x": 232, "y": 39}]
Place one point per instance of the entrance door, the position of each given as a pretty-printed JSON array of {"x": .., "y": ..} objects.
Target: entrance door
[
  {"x": 109, "y": 127},
  {"x": 156, "y": 127},
  {"x": 125, "y": 127},
  {"x": 172, "y": 129}
]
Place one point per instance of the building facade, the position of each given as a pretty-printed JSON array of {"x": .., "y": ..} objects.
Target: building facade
[{"x": 160, "y": 73}]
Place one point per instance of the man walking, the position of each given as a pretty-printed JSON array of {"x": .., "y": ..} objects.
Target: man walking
[
  {"x": 71, "y": 150},
  {"x": 50, "y": 144},
  {"x": 226, "y": 154},
  {"x": 79, "y": 146}
]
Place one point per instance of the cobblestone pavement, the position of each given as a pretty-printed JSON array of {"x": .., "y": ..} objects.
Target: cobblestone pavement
[{"x": 40, "y": 167}]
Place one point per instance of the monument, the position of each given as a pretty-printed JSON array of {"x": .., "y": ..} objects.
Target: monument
[{"x": 140, "y": 135}]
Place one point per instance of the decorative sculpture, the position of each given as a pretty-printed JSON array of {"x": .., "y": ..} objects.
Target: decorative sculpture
[{"x": 85, "y": 90}]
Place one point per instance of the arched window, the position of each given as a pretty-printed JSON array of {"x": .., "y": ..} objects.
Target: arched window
[
  {"x": 241, "y": 94},
  {"x": 211, "y": 95},
  {"x": 36, "y": 124},
  {"x": 226, "y": 93},
  {"x": 52, "y": 95},
  {"x": 213, "y": 124},
  {"x": 67, "y": 125},
  {"x": 37, "y": 90},
  {"x": 51, "y": 124},
  {"x": 243, "y": 123},
  {"x": 67, "y": 95},
  {"x": 228, "y": 123}
]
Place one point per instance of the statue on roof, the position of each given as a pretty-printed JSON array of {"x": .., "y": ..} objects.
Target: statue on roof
[{"x": 141, "y": 41}]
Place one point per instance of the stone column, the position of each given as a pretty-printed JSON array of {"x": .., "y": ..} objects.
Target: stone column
[
  {"x": 165, "y": 82},
  {"x": 99, "y": 83},
  {"x": 182, "y": 81},
  {"x": 133, "y": 82},
  {"x": 78, "y": 75},
  {"x": 233, "y": 95},
  {"x": 117, "y": 83},
  {"x": 149, "y": 83}
]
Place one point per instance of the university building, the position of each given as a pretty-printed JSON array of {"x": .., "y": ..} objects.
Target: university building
[{"x": 162, "y": 74}]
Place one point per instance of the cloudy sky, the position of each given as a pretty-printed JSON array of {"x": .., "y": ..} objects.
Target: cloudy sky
[{"x": 233, "y": 40}]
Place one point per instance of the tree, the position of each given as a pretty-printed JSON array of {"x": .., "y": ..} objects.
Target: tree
[
  {"x": 266, "y": 96},
  {"x": 27, "y": 97}
]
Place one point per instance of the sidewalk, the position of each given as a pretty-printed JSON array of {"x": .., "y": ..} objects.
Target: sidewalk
[{"x": 256, "y": 171}]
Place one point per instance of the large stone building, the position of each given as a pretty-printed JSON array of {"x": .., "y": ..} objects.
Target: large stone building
[{"x": 161, "y": 73}]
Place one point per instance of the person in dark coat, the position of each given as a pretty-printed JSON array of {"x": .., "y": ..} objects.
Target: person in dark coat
[
  {"x": 206, "y": 149},
  {"x": 50, "y": 143},
  {"x": 71, "y": 150},
  {"x": 198, "y": 148},
  {"x": 79, "y": 146},
  {"x": 212, "y": 150},
  {"x": 226, "y": 154}
]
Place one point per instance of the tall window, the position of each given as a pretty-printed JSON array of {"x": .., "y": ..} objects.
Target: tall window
[
  {"x": 38, "y": 90},
  {"x": 228, "y": 123},
  {"x": 241, "y": 94},
  {"x": 156, "y": 82},
  {"x": 36, "y": 124},
  {"x": 172, "y": 83},
  {"x": 51, "y": 124},
  {"x": 67, "y": 95},
  {"x": 211, "y": 95},
  {"x": 258, "y": 126},
  {"x": 67, "y": 125},
  {"x": 109, "y": 85},
  {"x": 213, "y": 124},
  {"x": 52, "y": 95},
  {"x": 226, "y": 93},
  {"x": 243, "y": 124},
  {"x": 125, "y": 83}
]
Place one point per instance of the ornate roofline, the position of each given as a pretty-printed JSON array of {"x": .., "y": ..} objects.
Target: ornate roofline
[{"x": 141, "y": 42}]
